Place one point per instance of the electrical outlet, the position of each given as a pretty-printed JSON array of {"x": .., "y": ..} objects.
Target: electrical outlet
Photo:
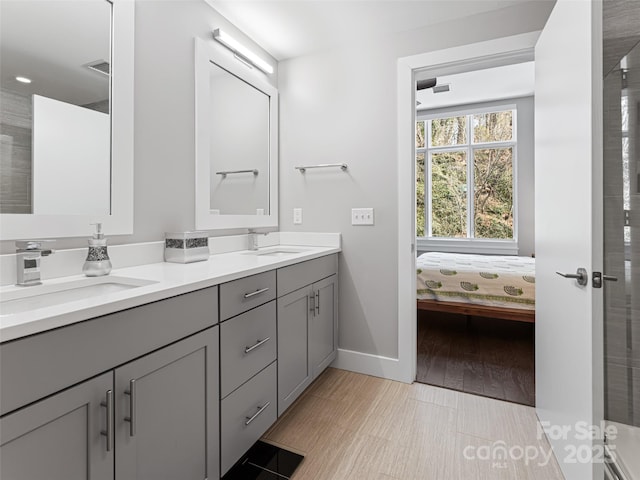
[
  {"x": 362, "y": 216},
  {"x": 297, "y": 216}
]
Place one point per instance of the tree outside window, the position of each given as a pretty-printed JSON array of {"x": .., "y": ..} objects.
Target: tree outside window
[{"x": 465, "y": 175}]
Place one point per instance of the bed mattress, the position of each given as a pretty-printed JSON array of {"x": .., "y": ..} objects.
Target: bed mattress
[{"x": 491, "y": 280}]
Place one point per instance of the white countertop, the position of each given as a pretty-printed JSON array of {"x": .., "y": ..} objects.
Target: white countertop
[{"x": 171, "y": 279}]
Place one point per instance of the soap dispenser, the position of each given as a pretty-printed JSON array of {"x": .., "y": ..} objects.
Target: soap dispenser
[{"x": 97, "y": 262}]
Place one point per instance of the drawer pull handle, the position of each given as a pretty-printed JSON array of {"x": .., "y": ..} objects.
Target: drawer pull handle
[
  {"x": 256, "y": 345},
  {"x": 257, "y": 292},
  {"x": 108, "y": 404},
  {"x": 255, "y": 415},
  {"x": 132, "y": 407}
]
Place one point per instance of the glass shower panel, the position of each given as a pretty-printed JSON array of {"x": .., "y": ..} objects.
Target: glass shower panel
[{"x": 621, "y": 62}]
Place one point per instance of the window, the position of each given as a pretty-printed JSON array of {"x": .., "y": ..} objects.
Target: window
[{"x": 465, "y": 175}]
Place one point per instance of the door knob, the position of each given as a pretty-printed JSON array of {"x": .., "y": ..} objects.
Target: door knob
[{"x": 580, "y": 276}]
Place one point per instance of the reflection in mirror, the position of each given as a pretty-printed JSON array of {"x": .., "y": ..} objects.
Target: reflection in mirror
[
  {"x": 236, "y": 175},
  {"x": 55, "y": 131},
  {"x": 239, "y": 151}
]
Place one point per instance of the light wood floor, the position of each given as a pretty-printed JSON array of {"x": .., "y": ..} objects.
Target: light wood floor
[{"x": 352, "y": 426}]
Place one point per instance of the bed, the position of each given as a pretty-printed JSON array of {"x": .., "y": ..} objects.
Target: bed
[{"x": 477, "y": 285}]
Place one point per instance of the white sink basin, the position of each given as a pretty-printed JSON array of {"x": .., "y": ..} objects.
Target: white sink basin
[
  {"x": 23, "y": 299},
  {"x": 276, "y": 251}
]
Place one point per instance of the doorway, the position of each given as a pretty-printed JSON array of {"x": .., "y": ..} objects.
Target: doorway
[
  {"x": 483, "y": 55},
  {"x": 475, "y": 231}
]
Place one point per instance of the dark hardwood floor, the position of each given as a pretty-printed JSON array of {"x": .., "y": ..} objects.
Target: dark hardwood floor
[{"x": 484, "y": 356}]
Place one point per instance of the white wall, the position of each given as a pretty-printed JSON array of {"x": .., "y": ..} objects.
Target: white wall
[{"x": 340, "y": 106}]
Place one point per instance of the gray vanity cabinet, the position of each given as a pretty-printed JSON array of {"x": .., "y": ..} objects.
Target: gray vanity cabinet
[
  {"x": 159, "y": 417},
  {"x": 247, "y": 363},
  {"x": 60, "y": 438},
  {"x": 307, "y": 325},
  {"x": 294, "y": 368},
  {"x": 323, "y": 330},
  {"x": 166, "y": 412},
  {"x": 133, "y": 395}
]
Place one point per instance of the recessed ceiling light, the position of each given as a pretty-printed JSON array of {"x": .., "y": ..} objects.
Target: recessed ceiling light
[{"x": 23, "y": 79}]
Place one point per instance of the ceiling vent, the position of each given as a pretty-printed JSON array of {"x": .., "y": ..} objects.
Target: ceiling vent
[{"x": 100, "y": 66}]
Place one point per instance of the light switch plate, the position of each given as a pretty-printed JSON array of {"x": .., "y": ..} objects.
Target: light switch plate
[
  {"x": 297, "y": 216},
  {"x": 362, "y": 216}
]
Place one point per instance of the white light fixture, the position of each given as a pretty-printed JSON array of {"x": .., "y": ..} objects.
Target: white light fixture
[
  {"x": 241, "y": 51},
  {"x": 23, "y": 79}
]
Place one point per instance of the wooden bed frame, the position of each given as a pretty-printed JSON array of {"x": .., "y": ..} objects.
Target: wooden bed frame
[{"x": 504, "y": 313}]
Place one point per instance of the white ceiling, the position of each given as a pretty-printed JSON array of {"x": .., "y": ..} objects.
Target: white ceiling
[
  {"x": 291, "y": 28},
  {"x": 509, "y": 81}
]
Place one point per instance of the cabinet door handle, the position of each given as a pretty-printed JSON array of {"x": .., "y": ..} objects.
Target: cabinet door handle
[
  {"x": 257, "y": 292},
  {"x": 108, "y": 404},
  {"x": 256, "y": 345},
  {"x": 132, "y": 407},
  {"x": 255, "y": 415},
  {"x": 318, "y": 302},
  {"x": 312, "y": 303}
]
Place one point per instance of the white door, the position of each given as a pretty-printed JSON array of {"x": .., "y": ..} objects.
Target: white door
[{"x": 568, "y": 177}]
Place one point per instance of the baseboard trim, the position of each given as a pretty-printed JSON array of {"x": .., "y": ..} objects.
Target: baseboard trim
[{"x": 368, "y": 364}]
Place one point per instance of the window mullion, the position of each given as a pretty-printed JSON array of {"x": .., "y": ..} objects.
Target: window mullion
[
  {"x": 428, "y": 197},
  {"x": 470, "y": 183},
  {"x": 428, "y": 224},
  {"x": 487, "y": 145}
]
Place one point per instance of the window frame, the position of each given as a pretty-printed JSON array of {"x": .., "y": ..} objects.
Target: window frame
[{"x": 470, "y": 244}]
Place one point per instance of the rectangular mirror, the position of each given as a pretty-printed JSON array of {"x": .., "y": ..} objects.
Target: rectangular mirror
[
  {"x": 236, "y": 143},
  {"x": 66, "y": 117}
]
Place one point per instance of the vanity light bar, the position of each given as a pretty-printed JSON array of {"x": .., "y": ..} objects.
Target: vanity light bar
[{"x": 240, "y": 50}]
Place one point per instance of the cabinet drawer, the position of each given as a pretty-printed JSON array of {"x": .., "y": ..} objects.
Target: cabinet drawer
[
  {"x": 246, "y": 293},
  {"x": 36, "y": 366},
  {"x": 246, "y": 414},
  {"x": 302, "y": 274},
  {"x": 247, "y": 345}
]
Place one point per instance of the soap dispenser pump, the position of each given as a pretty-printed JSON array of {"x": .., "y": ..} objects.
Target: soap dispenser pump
[{"x": 97, "y": 262}]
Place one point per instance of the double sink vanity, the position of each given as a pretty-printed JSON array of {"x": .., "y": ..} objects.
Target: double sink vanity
[{"x": 161, "y": 370}]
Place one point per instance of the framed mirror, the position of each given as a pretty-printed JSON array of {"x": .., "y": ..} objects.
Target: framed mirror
[
  {"x": 236, "y": 143},
  {"x": 66, "y": 117}
]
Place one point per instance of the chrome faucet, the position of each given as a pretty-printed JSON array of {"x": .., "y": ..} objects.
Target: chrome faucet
[
  {"x": 28, "y": 256},
  {"x": 253, "y": 239}
]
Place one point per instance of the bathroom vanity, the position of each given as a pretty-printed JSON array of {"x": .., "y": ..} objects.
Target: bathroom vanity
[{"x": 176, "y": 387}]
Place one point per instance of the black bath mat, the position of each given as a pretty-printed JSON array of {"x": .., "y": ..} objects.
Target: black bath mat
[{"x": 265, "y": 462}]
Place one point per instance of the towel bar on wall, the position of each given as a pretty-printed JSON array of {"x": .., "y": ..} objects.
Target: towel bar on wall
[
  {"x": 227, "y": 172},
  {"x": 302, "y": 168}
]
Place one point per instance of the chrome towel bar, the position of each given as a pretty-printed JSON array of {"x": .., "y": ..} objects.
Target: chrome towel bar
[
  {"x": 302, "y": 168},
  {"x": 227, "y": 172}
]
